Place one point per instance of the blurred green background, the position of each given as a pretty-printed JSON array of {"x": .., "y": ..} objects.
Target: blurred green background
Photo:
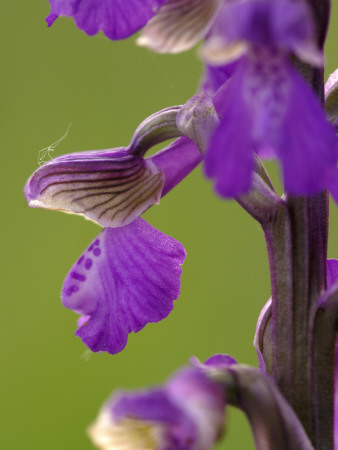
[{"x": 52, "y": 387}]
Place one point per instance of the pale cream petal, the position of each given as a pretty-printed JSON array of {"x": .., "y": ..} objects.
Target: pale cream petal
[
  {"x": 129, "y": 434},
  {"x": 216, "y": 52},
  {"x": 179, "y": 25}
]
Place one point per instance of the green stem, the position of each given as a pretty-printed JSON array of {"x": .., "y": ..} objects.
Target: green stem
[{"x": 324, "y": 335}]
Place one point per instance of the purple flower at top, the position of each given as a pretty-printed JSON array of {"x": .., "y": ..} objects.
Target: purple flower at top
[
  {"x": 266, "y": 107},
  {"x": 130, "y": 274},
  {"x": 186, "y": 413},
  {"x": 118, "y": 19}
]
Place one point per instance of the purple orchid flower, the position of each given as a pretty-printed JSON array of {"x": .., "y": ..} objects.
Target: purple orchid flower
[
  {"x": 187, "y": 413},
  {"x": 118, "y": 19},
  {"x": 262, "y": 103},
  {"x": 130, "y": 274},
  {"x": 170, "y": 26}
]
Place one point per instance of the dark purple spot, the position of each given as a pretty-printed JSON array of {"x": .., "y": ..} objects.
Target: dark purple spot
[
  {"x": 88, "y": 263},
  {"x": 97, "y": 242},
  {"x": 91, "y": 248},
  {"x": 72, "y": 289},
  {"x": 80, "y": 259},
  {"x": 97, "y": 252},
  {"x": 78, "y": 276}
]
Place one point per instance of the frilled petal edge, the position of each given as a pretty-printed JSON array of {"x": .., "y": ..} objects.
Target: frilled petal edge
[
  {"x": 126, "y": 278},
  {"x": 118, "y": 19}
]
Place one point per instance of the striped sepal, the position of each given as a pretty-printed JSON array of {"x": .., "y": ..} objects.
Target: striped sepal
[
  {"x": 179, "y": 25},
  {"x": 110, "y": 187}
]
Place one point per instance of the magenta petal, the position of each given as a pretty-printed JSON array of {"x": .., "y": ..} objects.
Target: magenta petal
[
  {"x": 176, "y": 162},
  {"x": 118, "y": 19},
  {"x": 152, "y": 405},
  {"x": 215, "y": 76},
  {"x": 51, "y": 18},
  {"x": 332, "y": 272},
  {"x": 307, "y": 142},
  {"x": 230, "y": 159},
  {"x": 127, "y": 277},
  {"x": 220, "y": 361}
]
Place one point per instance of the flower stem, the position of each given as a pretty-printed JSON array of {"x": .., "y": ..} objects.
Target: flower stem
[{"x": 297, "y": 247}]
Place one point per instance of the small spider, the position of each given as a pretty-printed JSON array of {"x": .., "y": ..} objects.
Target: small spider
[{"x": 46, "y": 152}]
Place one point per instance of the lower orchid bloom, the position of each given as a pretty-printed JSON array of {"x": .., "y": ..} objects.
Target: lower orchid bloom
[
  {"x": 130, "y": 275},
  {"x": 186, "y": 413}
]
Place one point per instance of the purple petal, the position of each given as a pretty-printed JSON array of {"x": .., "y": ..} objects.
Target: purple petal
[
  {"x": 176, "y": 161},
  {"x": 219, "y": 361},
  {"x": 331, "y": 272},
  {"x": 51, "y": 18},
  {"x": 118, "y": 19},
  {"x": 306, "y": 144},
  {"x": 268, "y": 106},
  {"x": 187, "y": 413},
  {"x": 203, "y": 400},
  {"x": 154, "y": 405},
  {"x": 285, "y": 24},
  {"x": 127, "y": 277},
  {"x": 229, "y": 159},
  {"x": 111, "y": 187},
  {"x": 215, "y": 76},
  {"x": 142, "y": 420}
]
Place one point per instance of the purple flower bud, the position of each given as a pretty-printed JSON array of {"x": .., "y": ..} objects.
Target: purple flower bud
[
  {"x": 130, "y": 275},
  {"x": 186, "y": 413}
]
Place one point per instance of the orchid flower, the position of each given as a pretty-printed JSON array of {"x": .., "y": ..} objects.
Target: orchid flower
[
  {"x": 187, "y": 413},
  {"x": 171, "y": 26},
  {"x": 130, "y": 274},
  {"x": 266, "y": 108}
]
